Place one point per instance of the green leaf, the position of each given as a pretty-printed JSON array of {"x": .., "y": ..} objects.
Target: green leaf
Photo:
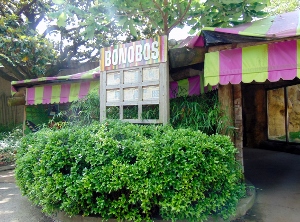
[
  {"x": 227, "y": 2},
  {"x": 58, "y": 2},
  {"x": 61, "y": 20},
  {"x": 132, "y": 29}
]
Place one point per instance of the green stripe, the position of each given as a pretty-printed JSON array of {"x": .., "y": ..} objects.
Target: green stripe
[
  {"x": 55, "y": 97},
  {"x": 89, "y": 74},
  {"x": 74, "y": 91},
  {"x": 212, "y": 68},
  {"x": 255, "y": 63},
  {"x": 259, "y": 28},
  {"x": 39, "y": 91},
  {"x": 183, "y": 87}
]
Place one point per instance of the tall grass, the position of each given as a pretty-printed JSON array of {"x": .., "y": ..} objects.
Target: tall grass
[{"x": 195, "y": 112}]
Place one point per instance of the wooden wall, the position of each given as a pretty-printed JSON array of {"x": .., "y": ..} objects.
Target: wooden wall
[{"x": 8, "y": 115}]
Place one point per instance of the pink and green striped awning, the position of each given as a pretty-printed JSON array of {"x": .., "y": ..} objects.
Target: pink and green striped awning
[
  {"x": 278, "y": 26},
  {"x": 259, "y": 63},
  {"x": 189, "y": 87},
  {"x": 59, "y": 93},
  {"x": 68, "y": 92},
  {"x": 88, "y": 75}
]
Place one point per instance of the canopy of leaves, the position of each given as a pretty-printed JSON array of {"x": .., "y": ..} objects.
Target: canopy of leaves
[
  {"x": 145, "y": 18},
  {"x": 78, "y": 29},
  {"x": 281, "y": 6},
  {"x": 23, "y": 53}
]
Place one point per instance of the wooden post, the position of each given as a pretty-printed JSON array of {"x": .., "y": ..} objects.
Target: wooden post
[
  {"x": 230, "y": 97},
  {"x": 238, "y": 121},
  {"x": 164, "y": 103},
  {"x": 24, "y": 120},
  {"x": 225, "y": 94}
]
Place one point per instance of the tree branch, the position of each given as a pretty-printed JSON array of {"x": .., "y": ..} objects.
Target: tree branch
[
  {"x": 165, "y": 19},
  {"x": 181, "y": 18},
  {"x": 6, "y": 76},
  {"x": 25, "y": 7},
  {"x": 151, "y": 20},
  {"x": 10, "y": 67}
]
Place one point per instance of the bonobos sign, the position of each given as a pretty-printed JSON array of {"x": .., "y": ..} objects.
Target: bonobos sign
[{"x": 132, "y": 54}]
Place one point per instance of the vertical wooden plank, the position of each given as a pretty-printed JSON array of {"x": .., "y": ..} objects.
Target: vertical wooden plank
[
  {"x": 121, "y": 112},
  {"x": 24, "y": 119},
  {"x": 286, "y": 99},
  {"x": 2, "y": 111},
  {"x": 225, "y": 95},
  {"x": 164, "y": 101},
  {"x": 140, "y": 91},
  {"x": 102, "y": 96},
  {"x": 121, "y": 94},
  {"x": 238, "y": 121}
]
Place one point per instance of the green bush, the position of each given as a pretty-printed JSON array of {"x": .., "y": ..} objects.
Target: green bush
[{"x": 131, "y": 172}]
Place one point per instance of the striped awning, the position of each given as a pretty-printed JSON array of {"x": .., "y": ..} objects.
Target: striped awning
[
  {"x": 258, "y": 63},
  {"x": 70, "y": 92},
  {"x": 59, "y": 93},
  {"x": 278, "y": 26},
  {"x": 189, "y": 87},
  {"x": 88, "y": 75}
]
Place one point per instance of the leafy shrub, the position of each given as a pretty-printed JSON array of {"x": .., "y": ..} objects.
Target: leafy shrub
[{"x": 131, "y": 172}]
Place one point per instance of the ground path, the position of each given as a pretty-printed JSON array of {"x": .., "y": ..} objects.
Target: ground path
[{"x": 13, "y": 206}]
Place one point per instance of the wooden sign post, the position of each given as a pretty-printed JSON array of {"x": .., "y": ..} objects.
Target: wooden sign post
[{"x": 135, "y": 75}]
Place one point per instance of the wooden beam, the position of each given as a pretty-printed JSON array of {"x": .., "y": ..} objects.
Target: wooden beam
[
  {"x": 180, "y": 57},
  {"x": 16, "y": 101},
  {"x": 184, "y": 74}
]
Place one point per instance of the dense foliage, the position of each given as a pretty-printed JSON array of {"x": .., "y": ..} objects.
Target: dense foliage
[
  {"x": 201, "y": 112},
  {"x": 42, "y": 37},
  {"x": 281, "y": 6},
  {"x": 131, "y": 172}
]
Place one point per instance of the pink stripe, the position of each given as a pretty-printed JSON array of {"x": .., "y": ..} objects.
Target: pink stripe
[
  {"x": 282, "y": 60},
  {"x": 162, "y": 49},
  {"x": 173, "y": 89},
  {"x": 231, "y": 66},
  {"x": 284, "y": 25},
  {"x": 84, "y": 89},
  {"x": 47, "y": 94},
  {"x": 194, "y": 85},
  {"x": 30, "y": 96},
  {"x": 65, "y": 93}
]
